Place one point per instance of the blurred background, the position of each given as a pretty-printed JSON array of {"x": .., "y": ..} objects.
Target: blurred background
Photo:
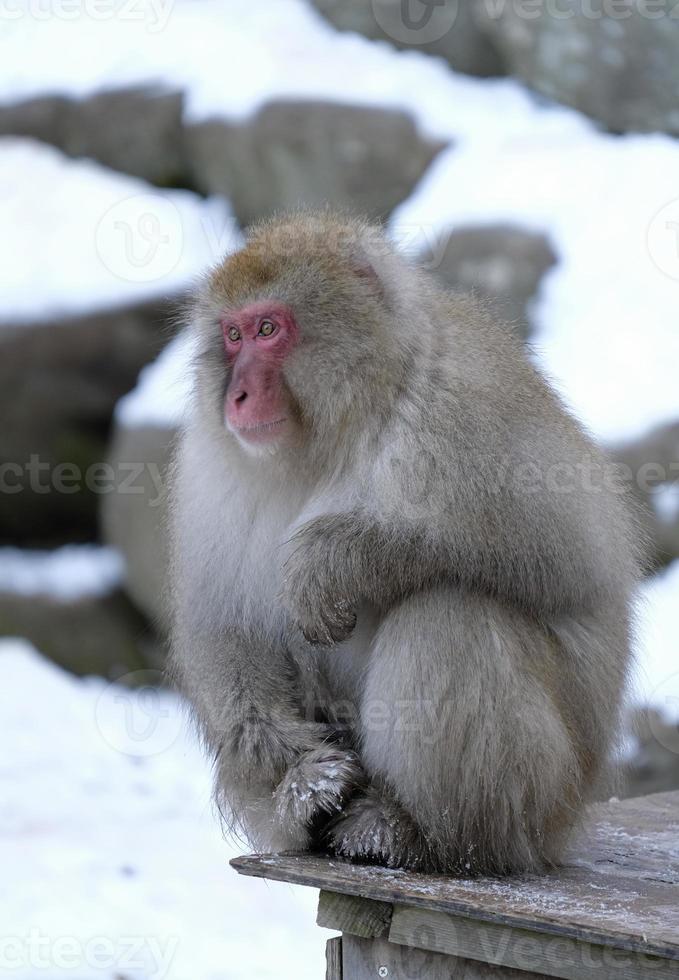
[{"x": 525, "y": 149}]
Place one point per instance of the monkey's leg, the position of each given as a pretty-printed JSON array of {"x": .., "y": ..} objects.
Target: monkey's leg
[{"x": 472, "y": 765}]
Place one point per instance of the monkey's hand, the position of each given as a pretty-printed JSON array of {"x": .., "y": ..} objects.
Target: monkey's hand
[
  {"x": 312, "y": 585},
  {"x": 266, "y": 744}
]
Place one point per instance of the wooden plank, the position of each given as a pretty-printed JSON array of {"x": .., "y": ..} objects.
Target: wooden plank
[
  {"x": 378, "y": 959},
  {"x": 358, "y": 916},
  {"x": 618, "y": 885},
  {"x": 523, "y": 950},
  {"x": 333, "y": 958}
]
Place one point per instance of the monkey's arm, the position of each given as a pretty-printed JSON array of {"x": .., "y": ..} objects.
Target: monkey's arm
[
  {"x": 490, "y": 490},
  {"x": 340, "y": 560},
  {"x": 247, "y": 702}
]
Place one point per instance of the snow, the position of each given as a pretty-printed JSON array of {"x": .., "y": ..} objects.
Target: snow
[
  {"x": 665, "y": 501},
  {"x": 75, "y": 236},
  {"x": 163, "y": 389},
  {"x": 656, "y": 679},
  {"x": 113, "y": 863},
  {"x": 231, "y": 56},
  {"x": 607, "y": 313},
  {"x": 65, "y": 574}
]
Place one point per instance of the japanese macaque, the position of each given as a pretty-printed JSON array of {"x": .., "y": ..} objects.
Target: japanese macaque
[{"x": 401, "y": 572}]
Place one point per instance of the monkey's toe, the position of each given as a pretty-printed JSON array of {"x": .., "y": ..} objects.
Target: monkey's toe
[
  {"x": 373, "y": 828},
  {"x": 316, "y": 786}
]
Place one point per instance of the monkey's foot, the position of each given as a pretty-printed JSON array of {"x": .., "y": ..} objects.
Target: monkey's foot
[
  {"x": 317, "y": 785},
  {"x": 373, "y": 828}
]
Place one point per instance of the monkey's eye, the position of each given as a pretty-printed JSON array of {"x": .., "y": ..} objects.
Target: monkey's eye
[
  {"x": 233, "y": 334},
  {"x": 266, "y": 328}
]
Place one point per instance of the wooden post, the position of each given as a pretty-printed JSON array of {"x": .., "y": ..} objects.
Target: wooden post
[{"x": 333, "y": 958}]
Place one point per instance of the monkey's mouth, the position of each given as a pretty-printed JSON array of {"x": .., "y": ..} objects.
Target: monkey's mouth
[{"x": 260, "y": 431}]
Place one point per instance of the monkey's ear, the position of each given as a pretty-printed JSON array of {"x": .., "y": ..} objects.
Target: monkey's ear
[{"x": 363, "y": 269}]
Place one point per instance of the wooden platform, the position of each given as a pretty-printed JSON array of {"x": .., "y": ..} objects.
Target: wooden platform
[{"x": 611, "y": 911}]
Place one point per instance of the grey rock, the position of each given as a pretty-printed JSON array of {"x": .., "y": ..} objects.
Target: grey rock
[
  {"x": 650, "y": 467},
  {"x": 135, "y": 522},
  {"x": 654, "y": 763},
  {"x": 138, "y": 131},
  {"x": 448, "y": 28},
  {"x": 102, "y": 635},
  {"x": 617, "y": 63},
  {"x": 59, "y": 383},
  {"x": 502, "y": 264},
  {"x": 310, "y": 153}
]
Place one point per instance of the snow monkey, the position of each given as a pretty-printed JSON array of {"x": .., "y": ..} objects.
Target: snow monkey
[{"x": 401, "y": 571}]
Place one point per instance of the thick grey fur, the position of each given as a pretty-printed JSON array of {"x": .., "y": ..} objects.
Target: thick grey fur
[{"x": 405, "y": 637}]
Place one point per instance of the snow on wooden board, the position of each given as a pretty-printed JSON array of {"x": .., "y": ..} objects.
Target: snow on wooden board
[{"x": 618, "y": 885}]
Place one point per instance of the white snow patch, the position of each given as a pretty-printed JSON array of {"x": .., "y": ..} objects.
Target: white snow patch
[
  {"x": 656, "y": 679},
  {"x": 665, "y": 501},
  {"x": 75, "y": 236},
  {"x": 162, "y": 393},
  {"x": 111, "y": 855},
  {"x": 65, "y": 574},
  {"x": 607, "y": 314},
  {"x": 231, "y": 56}
]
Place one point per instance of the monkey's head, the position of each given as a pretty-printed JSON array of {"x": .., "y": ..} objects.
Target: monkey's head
[{"x": 298, "y": 332}]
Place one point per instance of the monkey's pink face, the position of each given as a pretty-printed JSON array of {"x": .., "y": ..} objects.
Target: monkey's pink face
[{"x": 258, "y": 408}]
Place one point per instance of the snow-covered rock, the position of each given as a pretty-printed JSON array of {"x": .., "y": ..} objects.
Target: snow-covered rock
[
  {"x": 284, "y": 155},
  {"x": 94, "y": 267},
  {"x": 71, "y": 604},
  {"x": 145, "y": 426},
  {"x": 447, "y": 28},
  {"x": 76, "y": 237},
  {"x": 67, "y": 574},
  {"x": 606, "y": 313},
  {"x": 619, "y": 63},
  {"x": 138, "y": 131},
  {"x": 293, "y": 153},
  {"x": 500, "y": 263},
  {"x": 230, "y": 57}
]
